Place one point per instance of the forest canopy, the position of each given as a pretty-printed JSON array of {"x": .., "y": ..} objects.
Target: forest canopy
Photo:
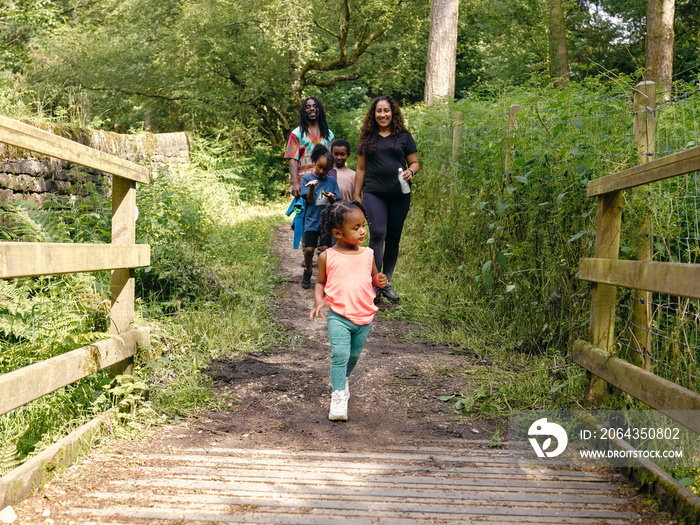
[{"x": 241, "y": 67}]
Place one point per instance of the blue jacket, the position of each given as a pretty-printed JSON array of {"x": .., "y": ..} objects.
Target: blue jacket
[{"x": 297, "y": 206}]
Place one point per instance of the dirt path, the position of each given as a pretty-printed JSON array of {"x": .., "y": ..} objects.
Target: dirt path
[
  {"x": 282, "y": 405},
  {"x": 395, "y": 388}
]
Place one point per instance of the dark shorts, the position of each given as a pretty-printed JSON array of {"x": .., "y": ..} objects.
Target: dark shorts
[{"x": 312, "y": 239}]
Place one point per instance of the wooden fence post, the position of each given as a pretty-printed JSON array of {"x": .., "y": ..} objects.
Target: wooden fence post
[
  {"x": 513, "y": 111},
  {"x": 644, "y": 108},
  {"x": 457, "y": 137},
  {"x": 603, "y": 297},
  {"x": 123, "y": 280}
]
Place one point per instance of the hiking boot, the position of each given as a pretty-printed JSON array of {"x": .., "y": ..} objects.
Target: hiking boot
[
  {"x": 306, "y": 280},
  {"x": 377, "y": 294},
  {"x": 339, "y": 406},
  {"x": 390, "y": 293}
]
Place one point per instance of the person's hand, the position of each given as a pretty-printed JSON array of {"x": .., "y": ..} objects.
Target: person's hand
[
  {"x": 407, "y": 174},
  {"x": 296, "y": 189},
  {"x": 357, "y": 197},
  {"x": 316, "y": 312},
  {"x": 311, "y": 183},
  {"x": 382, "y": 281}
]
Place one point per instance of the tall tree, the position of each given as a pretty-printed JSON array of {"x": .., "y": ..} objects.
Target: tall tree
[
  {"x": 442, "y": 50},
  {"x": 558, "y": 50},
  {"x": 659, "y": 42},
  {"x": 211, "y": 63}
]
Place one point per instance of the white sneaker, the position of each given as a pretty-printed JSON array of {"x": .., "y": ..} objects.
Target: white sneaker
[
  {"x": 347, "y": 389},
  {"x": 339, "y": 406}
]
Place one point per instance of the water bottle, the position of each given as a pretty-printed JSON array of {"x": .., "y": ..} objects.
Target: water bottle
[{"x": 405, "y": 188}]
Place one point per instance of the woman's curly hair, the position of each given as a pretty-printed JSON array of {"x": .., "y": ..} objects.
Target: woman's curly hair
[
  {"x": 370, "y": 129},
  {"x": 333, "y": 216}
]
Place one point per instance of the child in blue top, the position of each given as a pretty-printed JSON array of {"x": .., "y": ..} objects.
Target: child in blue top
[{"x": 318, "y": 190}]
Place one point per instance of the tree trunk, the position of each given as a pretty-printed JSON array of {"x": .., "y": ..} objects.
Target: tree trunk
[
  {"x": 659, "y": 43},
  {"x": 442, "y": 50},
  {"x": 558, "y": 51}
]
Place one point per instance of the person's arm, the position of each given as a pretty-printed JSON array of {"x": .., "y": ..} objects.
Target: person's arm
[
  {"x": 319, "y": 301},
  {"x": 359, "y": 177},
  {"x": 413, "y": 166},
  {"x": 378, "y": 279},
  {"x": 311, "y": 196},
  {"x": 294, "y": 173}
]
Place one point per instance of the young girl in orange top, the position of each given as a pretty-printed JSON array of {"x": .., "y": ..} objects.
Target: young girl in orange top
[{"x": 346, "y": 277}]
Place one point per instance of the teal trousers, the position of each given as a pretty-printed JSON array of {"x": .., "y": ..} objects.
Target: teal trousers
[{"x": 347, "y": 341}]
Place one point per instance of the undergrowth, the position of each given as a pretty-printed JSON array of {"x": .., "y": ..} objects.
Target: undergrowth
[{"x": 205, "y": 296}]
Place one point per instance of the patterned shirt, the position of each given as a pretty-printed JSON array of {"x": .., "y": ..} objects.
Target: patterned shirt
[{"x": 299, "y": 148}]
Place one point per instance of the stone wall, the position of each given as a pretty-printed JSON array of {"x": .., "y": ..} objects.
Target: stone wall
[{"x": 27, "y": 175}]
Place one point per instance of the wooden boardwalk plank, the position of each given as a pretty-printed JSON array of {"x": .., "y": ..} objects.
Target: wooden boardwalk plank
[
  {"x": 263, "y": 490},
  {"x": 474, "y": 483},
  {"x": 522, "y": 469}
]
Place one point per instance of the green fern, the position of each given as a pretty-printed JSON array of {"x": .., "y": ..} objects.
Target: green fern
[
  {"x": 9, "y": 456},
  {"x": 29, "y": 222},
  {"x": 15, "y": 305}
]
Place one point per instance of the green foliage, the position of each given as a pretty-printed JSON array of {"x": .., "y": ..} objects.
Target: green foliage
[
  {"x": 8, "y": 456},
  {"x": 20, "y": 20},
  {"x": 519, "y": 383},
  {"x": 187, "y": 216},
  {"x": 46, "y": 316},
  {"x": 509, "y": 241}
]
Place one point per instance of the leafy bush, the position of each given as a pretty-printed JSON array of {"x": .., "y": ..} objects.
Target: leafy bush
[{"x": 508, "y": 241}]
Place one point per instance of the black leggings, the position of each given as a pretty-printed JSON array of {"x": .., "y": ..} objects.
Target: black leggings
[{"x": 386, "y": 213}]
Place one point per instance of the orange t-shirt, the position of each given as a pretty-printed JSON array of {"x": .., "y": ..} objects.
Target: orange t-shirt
[{"x": 348, "y": 289}]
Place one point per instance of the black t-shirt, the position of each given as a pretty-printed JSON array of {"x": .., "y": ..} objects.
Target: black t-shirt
[{"x": 382, "y": 165}]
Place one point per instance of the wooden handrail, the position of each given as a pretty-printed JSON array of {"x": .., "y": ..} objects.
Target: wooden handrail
[
  {"x": 28, "y": 137},
  {"x": 27, "y": 259},
  {"x": 26, "y": 384},
  {"x": 31, "y": 259},
  {"x": 607, "y": 272},
  {"x": 681, "y": 279},
  {"x": 686, "y": 161},
  {"x": 677, "y": 402}
]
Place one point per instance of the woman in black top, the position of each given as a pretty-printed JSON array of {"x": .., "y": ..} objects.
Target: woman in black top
[{"x": 385, "y": 146}]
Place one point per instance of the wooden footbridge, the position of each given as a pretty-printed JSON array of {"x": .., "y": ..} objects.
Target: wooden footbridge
[
  {"x": 450, "y": 482},
  {"x": 405, "y": 485}
]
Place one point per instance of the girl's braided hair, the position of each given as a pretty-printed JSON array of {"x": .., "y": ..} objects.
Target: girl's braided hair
[
  {"x": 320, "y": 150},
  {"x": 333, "y": 215}
]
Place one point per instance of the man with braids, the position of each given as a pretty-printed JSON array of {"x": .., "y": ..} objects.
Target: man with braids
[{"x": 312, "y": 130}]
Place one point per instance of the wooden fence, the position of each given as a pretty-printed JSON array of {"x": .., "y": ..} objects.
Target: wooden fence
[
  {"x": 28, "y": 259},
  {"x": 607, "y": 272}
]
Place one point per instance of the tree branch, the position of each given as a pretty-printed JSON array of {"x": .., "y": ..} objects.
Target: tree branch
[
  {"x": 314, "y": 81},
  {"x": 138, "y": 93},
  {"x": 323, "y": 28}
]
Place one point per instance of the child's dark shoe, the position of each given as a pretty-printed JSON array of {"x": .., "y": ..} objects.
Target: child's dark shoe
[{"x": 306, "y": 280}]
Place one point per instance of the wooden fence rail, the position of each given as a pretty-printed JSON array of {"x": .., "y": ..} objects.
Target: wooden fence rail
[
  {"x": 606, "y": 273},
  {"x": 27, "y": 259}
]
